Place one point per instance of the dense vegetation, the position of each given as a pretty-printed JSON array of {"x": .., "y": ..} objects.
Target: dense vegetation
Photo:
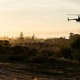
[{"x": 48, "y": 50}]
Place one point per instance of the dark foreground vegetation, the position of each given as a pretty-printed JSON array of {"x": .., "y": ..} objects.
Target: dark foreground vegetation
[
  {"x": 55, "y": 56},
  {"x": 39, "y": 51}
]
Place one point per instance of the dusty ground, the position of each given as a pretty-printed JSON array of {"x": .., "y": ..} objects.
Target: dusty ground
[{"x": 10, "y": 71}]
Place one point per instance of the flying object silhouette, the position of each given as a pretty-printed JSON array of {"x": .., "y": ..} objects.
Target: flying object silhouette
[{"x": 76, "y": 19}]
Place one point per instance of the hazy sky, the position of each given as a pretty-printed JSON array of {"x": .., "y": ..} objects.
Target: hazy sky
[{"x": 45, "y": 17}]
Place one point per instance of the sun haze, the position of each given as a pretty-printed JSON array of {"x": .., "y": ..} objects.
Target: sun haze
[{"x": 39, "y": 17}]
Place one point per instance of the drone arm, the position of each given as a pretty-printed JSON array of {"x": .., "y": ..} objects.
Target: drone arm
[{"x": 71, "y": 19}]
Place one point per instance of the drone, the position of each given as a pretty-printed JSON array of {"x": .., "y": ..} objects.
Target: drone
[{"x": 76, "y": 19}]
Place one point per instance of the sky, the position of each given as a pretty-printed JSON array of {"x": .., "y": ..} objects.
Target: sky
[{"x": 44, "y": 18}]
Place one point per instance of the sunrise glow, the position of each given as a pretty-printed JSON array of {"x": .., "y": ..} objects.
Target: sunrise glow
[{"x": 47, "y": 17}]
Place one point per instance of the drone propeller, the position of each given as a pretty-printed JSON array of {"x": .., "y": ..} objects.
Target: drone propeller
[{"x": 73, "y": 14}]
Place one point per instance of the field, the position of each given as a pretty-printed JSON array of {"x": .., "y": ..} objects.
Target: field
[{"x": 50, "y": 59}]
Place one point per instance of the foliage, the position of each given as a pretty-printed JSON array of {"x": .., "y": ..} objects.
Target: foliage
[{"x": 41, "y": 50}]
